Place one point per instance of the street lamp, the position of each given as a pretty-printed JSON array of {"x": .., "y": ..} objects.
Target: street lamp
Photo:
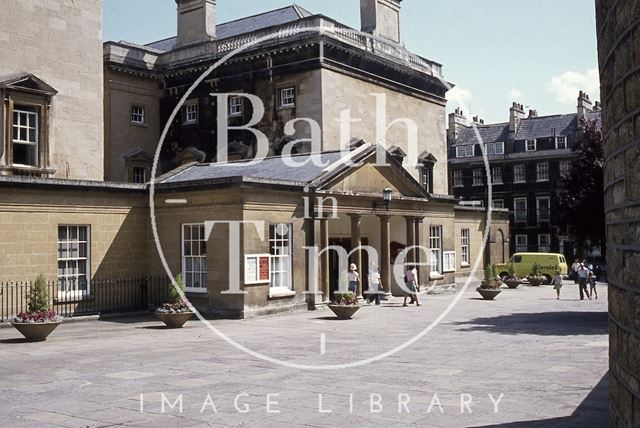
[{"x": 386, "y": 197}]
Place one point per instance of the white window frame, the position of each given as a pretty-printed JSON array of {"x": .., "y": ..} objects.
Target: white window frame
[
  {"x": 448, "y": 261},
  {"x": 471, "y": 150},
  {"x": 498, "y": 203},
  {"x": 477, "y": 177},
  {"x": 458, "y": 178},
  {"x": 135, "y": 176},
  {"x": 281, "y": 262},
  {"x": 465, "y": 240},
  {"x": 76, "y": 292},
  {"x": 137, "y": 115},
  {"x": 517, "y": 169},
  {"x": 520, "y": 219},
  {"x": 542, "y": 171},
  {"x": 565, "y": 168},
  {"x": 538, "y": 209},
  {"x": 499, "y": 148},
  {"x": 189, "y": 275},
  {"x": 287, "y": 97},
  {"x": 522, "y": 243},
  {"x": 530, "y": 145},
  {"x": 494, "y": 149},
  {"x": 236, "y": 106},
  {"x": 561, "y": 141},
  {"x": 544, "y": 248},
  {"x": 425, "y": 177},
  {"x": 497, "y": 178},
  {"x": 17, "y": 127},
  {"x": 191, "y": 113},
  {"x": 435, "y": 249}
]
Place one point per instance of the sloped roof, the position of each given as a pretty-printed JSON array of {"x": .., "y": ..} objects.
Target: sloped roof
[
  {"x": 246, "y": 25},
  {"x": 561, "y": 125},
  {"x": 488, "y": 133}
]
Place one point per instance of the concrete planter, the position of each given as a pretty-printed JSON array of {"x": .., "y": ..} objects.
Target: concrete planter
[
  {"x": 488, "y": 294},
  {"x": 175, "y": 320},
  {"x": 535, "y": 281},
  {"x": 344, "y": 312},
  {"x": 512, "y": 283},
  {"x": 36, "y": 331}
]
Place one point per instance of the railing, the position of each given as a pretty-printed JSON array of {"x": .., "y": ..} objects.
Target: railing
[{"x": 103, "y": 296}]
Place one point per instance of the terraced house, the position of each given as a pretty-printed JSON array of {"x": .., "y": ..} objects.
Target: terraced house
[
  {"x": 528, "y": 157},
  {"x": 307, "y": 70}
]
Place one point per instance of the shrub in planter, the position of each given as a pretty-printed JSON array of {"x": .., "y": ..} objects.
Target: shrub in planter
[
  {"x": 175, "y": 312},
  {"x": 490, "y": 285},
  {"x": 535, "y": 279},
  {"x": 40, "y": 320},
  {"x": 513, "y": 280}
]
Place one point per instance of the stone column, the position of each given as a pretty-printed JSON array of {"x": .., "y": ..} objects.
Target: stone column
[
  {"x": 385, "y": 253},
  {"x": 411, "y": 239},
  {"x": 356, "y": 242},
  {"x": 324, "y": 259},
  {"x": 418, "y": 254}
]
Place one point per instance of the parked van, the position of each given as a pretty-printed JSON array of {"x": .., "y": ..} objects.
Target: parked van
[{"x": 523, "y": 264}]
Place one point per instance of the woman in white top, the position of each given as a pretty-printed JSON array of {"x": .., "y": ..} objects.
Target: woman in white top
[
  {"x": 354, "y": 278},
  {"x": 411, "y": 282}
]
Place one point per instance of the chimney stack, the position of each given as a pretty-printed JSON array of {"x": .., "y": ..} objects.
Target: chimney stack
[
  {"x": 597, "y": 106},
  {"x": 516, "y": 114},
  {"x": 477, "y": 120},
  {"x": 457, "y": 121},
  {"x": 584, "y": 106},
  {"x": 196, "y": 22},
  {"x": 381, "y": 18},
  {"x": 533, "y": 113}
]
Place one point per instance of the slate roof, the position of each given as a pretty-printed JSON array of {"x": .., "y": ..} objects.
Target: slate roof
[
  {"x": 246, "y": 25},
  {"x": 530, "y": 128},
  {"x": 271, "y": 169}
]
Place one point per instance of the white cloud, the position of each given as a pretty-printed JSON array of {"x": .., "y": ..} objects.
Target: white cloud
[
  {"x": 515, "y": 95},
  {"x": 459, "y": 97},
  {"x": 566, "y": 86}
]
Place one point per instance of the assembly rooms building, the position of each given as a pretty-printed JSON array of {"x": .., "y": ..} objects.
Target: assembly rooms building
[{"x": 78, "y": 211}]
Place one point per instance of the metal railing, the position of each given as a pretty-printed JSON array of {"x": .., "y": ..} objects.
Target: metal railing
[{"x": 76, "y": 298}]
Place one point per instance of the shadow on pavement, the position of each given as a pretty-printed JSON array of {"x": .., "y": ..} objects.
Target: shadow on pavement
[
  {"x": 592, "y": 412},
  {"x": 544, "y": 324}
]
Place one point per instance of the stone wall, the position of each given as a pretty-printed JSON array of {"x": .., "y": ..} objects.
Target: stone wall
[
  {"x": 618, "y": 27},
  {"x": 60, "y": 41}
]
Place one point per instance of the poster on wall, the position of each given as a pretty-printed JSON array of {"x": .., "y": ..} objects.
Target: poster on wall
[{"x": 257, "y": 268}]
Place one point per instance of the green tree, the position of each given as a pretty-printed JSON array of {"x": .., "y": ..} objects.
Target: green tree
[
  {"x": 38, "y": 299},
  {"x": 581, "y": 208}
]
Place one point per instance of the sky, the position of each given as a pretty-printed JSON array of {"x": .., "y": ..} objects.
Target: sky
[{"x": 539, "y": 53}]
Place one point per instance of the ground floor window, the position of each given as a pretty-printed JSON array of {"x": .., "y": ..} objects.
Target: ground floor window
[
  {"x": 522, "y": 243},
  {"x": 464, "y": 247},
  {"x": 435, "y": 249},
  {"x": 194, "y": 257},
  {"x": 449, "y": 261},
  {"x": 280, "y": 252},
  {"x": 73, "y": 260}
]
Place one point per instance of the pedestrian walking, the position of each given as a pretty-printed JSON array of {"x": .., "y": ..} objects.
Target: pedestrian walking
[
  {"x": 574, "y": 270},
  {"x": 411, "y": 278},
  {"x": 583, "y": 275},
  {"x": 374, "y": 285},
  {"x": 592, "y": 285},
  {"x": 354, "y": 278},
  {"x": 557, "y": 283}
]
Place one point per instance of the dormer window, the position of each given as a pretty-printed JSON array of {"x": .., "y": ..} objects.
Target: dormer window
[
  {"x": 427, "y": 163},
  {"x": 465, "y": 151},
  {"x": 561, "y": 142},
  {"x": 530, "y": 145}
]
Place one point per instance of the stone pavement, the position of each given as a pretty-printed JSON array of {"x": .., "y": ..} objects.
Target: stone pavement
[{"x": 544, "y": 362}]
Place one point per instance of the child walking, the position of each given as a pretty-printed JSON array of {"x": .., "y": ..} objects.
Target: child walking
[
  {"x": 557, "y": 283},
  {"x": 592, "y": 286}
]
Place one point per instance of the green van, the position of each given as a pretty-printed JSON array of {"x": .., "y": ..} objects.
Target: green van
[{"x": 523, "y": 264}]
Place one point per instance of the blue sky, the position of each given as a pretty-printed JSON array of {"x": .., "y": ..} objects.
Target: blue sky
[{"x": 539, "y": 53}]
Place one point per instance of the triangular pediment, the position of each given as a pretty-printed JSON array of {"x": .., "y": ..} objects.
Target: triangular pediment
[
  {"x": 365, "y": 176},
  {"x": 29, "y": 83},
  {"x": 138, "y": 155}
]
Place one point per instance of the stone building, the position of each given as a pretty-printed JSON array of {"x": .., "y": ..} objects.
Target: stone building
[
  {"x": 51, "y": 89},
  {"x": 528, "y": 157},
  {"x": 618, "y": 30},
  {"x": 80, "y": 231}
]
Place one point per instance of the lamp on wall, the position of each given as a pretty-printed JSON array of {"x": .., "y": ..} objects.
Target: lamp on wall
[{"x": 386, "y": 197}]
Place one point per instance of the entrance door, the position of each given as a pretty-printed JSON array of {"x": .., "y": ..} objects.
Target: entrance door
[{"x": 334, "y": 268}]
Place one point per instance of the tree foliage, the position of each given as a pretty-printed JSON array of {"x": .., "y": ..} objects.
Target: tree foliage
[
  {"x": 581, "y": 209},
  {"x": 38, "y": 299}
]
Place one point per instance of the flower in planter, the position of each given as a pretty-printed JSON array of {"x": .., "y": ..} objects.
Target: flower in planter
[
  {"x": 491, "y": 279},
  {"x": 175, "y": 304},
  {"x": 345, "y": 299}
]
